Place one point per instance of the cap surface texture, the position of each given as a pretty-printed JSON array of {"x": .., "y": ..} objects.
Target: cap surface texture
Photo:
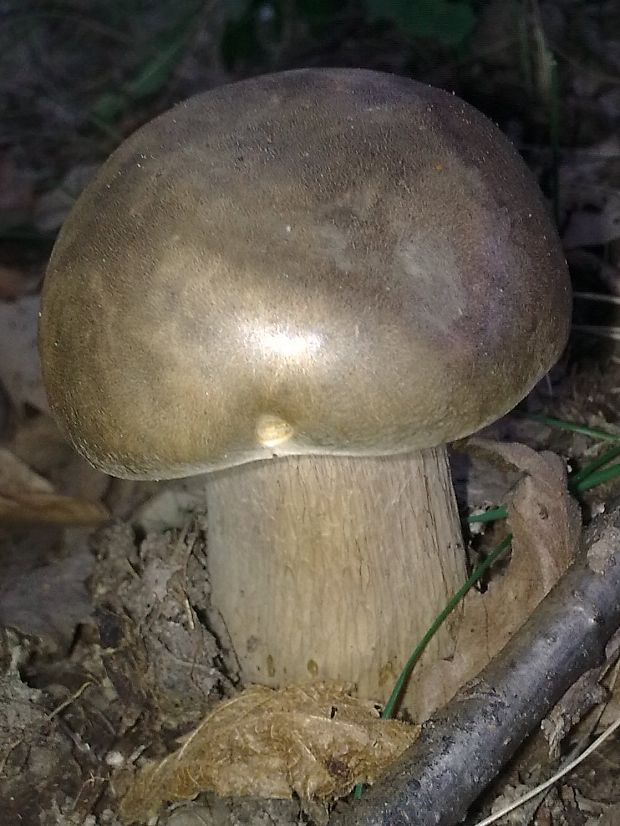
[{"x": 317, "y": 261}]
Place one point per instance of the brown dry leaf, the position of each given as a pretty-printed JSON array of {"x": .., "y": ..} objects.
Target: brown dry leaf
[
  {"x": 590, "y": 199},
  {"x": 19, "y": 358},
  {"x": 544, "y": 518},
  {"x": 315, "y": 740},
  {"x": 16, "y": 190},
  {"x": 546, "y": 527},
  {"x": 27, "y": 498},
  {"x": 17, "y": 281},
  {"x": 53, "y": 207},
  {"x": 589, "y": 228},
  {"x": 38, "y": 442},
  {"x": 172, "y": 505}
]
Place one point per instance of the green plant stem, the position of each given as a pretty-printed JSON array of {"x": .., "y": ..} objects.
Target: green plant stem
[
  {"x": 580, "y": 476},
  {"x": 477, "y": 574},
  {"x": 588, "y": 477},
  {"x": 488, "y": 516},
  {"x": 599, "y": 478},
  {"x": 574, "y": 428}
]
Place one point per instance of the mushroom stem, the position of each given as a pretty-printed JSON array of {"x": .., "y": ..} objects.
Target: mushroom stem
[{"x": 333, "y": 567}]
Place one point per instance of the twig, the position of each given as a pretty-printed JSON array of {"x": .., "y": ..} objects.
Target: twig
[
  {"x": 463, "y": 747},
  {"x": 611, "y": 729},
  {"x": 70, "y": 700}
]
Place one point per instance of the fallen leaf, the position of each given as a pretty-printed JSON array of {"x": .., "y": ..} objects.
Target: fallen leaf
[
  {"x": 47, "y": 598},
  {"x": 39, "y": 443},
  {"x": 49, "y": 508},
  {"x": 16, "y": 191},
  {"x": 545, "y": 524},
  {"x": 589, "y": 227},
  {"x": 27, "y": 498},
  {"x": 53, "y": 207},
  {"x": 16, "y": 475},
  {"x": 546, "y": 527},
  {"x": 20, "y": 372},
  {"x": 544, "y": 518},
  {"x": 590, "y": 204},
  {"x": 17, "y": 281},
  {"x": 314, "y": 740},
  {"x": 171, "y": 506}
]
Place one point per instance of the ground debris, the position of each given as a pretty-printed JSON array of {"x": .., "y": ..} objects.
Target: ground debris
[{"x": 316, "y": 741}]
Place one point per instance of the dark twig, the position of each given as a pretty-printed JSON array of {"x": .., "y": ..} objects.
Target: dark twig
[{"x": 463, "y": 747}]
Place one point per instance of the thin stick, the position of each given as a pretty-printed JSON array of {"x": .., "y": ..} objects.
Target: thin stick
[{"x": 557, "y": 776}]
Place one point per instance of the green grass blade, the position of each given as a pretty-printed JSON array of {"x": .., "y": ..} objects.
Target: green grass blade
[
  {"x": 477, "y": 574},
  {"x": 560, "y": 424},
  {"x": 492, "y": 515},
  {"x": 599, "y": 478},
  {"x": 604, "y": 459}
]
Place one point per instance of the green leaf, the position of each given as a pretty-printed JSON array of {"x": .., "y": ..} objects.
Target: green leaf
[
  {"x": 319, "y": 15},
  {"x": 235, "y": 9},
  {"x": 447, "y": 21},
  {"x": 152, "y": 75}
]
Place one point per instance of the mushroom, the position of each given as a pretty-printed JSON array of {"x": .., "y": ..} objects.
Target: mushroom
[{"x": 305, "y": 284}]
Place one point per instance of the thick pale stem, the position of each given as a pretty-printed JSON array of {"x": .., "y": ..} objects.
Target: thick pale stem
[{"x": 333, "y": 567}]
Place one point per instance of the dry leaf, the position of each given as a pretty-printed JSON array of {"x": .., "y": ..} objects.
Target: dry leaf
[
  {"x": 49, "y": 508},
  {"x": 17, "y": 281},
  {"x": 16, "y": 190},
  {"x": 590, "y": 203},
  {"x": 16, "y": 475},
  {"x": 19, "y": 358},
  {"x": 39, "y": 443},
  {"x": 171, "y": 506},
  {"x": 546, "y": 527},
  {"x": 27, "y": 498},
  {"x": 313, "y": 740},
  {"x": 53, "y": 207},
  {"x": 595, "y": 228},
  {"x": 544, "y": 518}
]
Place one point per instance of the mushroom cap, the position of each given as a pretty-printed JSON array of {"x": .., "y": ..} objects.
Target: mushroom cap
[{"x": 318, "y": 261}]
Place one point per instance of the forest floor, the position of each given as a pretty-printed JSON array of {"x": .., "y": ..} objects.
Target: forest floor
[{"x": 89, "y": 663}]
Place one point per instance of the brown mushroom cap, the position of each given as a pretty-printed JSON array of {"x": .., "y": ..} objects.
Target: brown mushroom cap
[{"x": 318, "y": 261}]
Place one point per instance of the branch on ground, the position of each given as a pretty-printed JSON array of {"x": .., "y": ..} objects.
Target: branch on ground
[{"x": 464, "y": 746}]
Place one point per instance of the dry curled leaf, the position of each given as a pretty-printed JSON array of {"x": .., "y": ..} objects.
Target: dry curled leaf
[
  {"x": 16, "y": 189},
  {"x": 38, "y": 442},
  {"x": 20, "y": 372},
  {"x": 53, "y": 207},
  {"x": 17, "y": 281},
  {"x": 543, "y": 517},
  {"x": 27, "y": 498},
  {"x": 314, "y": 740},
  {"x": 546, "y": 527}
]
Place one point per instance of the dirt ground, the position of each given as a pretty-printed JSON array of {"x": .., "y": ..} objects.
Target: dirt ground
[{"x": 105, "y": 658}]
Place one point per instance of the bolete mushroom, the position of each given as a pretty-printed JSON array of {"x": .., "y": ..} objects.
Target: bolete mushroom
[{"x": 306, "y": 284}]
